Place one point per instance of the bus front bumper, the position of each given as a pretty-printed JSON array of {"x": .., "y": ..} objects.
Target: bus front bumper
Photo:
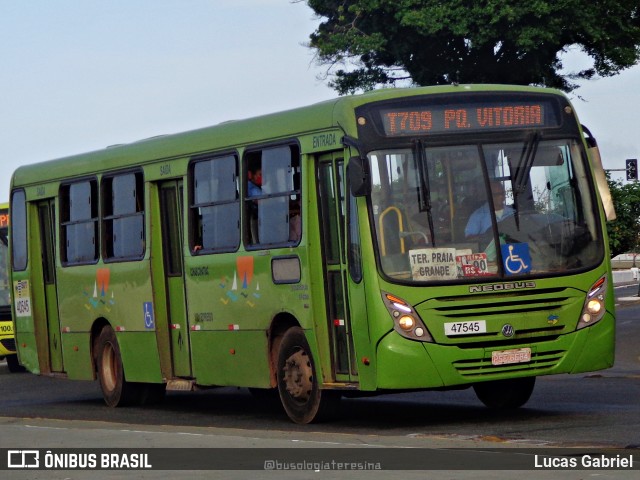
[{"x": 405, "y": 364}]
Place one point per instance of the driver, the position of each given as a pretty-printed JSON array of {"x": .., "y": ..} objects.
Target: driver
[{"x": 480, "y": 220}]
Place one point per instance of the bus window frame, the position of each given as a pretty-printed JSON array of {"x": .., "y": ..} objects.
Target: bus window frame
[
  {"x": 105, "y": 242},
  {"x": 296, "y": 154},
  {"x": 195, "y": 247},
  {"x": 23, "y": 242},
  {"x": 63, "y": 224}
]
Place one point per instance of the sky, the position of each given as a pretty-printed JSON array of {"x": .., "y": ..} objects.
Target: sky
[{"x": 77, "y": 76}]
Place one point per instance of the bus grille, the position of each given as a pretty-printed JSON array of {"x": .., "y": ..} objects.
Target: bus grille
[
  {"x": 536, "y": 315},
  {"x": 539, "y": 364}
]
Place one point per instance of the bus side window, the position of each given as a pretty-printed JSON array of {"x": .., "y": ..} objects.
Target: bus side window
[
  {"x": 272, "y": 196},
  {"x": 215, "y": 211},
  {"x": 19, "y": 236},
  {"x": 353, "y": 239},
  {"x": 79, "y": 218},
  {"x": 123, "y": 201}
]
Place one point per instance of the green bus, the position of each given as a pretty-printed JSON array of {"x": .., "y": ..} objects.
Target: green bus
[{"x": 405, "y": 239}]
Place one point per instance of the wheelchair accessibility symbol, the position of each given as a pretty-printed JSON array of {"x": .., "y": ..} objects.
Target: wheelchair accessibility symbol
[
  {"x": 516, "y": 258},
  {"x": 149, "y": 322}
]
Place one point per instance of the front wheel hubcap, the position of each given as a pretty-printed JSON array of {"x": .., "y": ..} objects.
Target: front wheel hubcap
[{"x": 298, "y": 376}]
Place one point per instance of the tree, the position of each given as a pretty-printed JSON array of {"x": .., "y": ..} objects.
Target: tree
[
  {"x": 369, "y": 43},
  {"x": 624, "y": 231}
]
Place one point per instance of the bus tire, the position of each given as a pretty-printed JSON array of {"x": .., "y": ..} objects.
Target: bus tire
[
  {"x": 505, "y": 394},
  {"x": 117, "y": 392},
  {"x": 14, "y": 365},
  {"x": 300, "y": 395}
]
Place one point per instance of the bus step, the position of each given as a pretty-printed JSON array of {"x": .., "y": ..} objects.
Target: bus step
[
  {"x": 181, "y": 384},
  {"x": 340, "y": 385}
]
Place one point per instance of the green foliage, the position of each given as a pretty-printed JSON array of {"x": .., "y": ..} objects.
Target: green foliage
[
  {"x": 624, "y": 232},
  {"x": 367, "y": 43}
]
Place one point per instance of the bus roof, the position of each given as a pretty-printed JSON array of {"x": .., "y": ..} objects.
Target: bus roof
[{"x": 227, "y": 135}]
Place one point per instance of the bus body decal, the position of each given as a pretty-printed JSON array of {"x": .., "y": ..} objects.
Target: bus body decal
[{"x": 22, "y": 298}]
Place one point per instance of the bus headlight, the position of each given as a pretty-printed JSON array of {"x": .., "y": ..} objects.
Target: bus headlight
[
  {"x": 405, "y": 319},
  {"x": 406, "y": 322},
  {"x": 594, "y": 305}
]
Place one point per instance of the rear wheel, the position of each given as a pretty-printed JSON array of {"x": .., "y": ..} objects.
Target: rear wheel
[
  {"x": 116, "y": 390},
  {"x": 300, "y": 394},
  {"x": 505, "y": 394}
]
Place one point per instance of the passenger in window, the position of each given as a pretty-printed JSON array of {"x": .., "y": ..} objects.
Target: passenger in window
[
  {"x": 480, "y": 220},
  {"x": 295, "y": 223},
  {"x": 254, "y": 185},
  {"x": 254, "y": 189}
]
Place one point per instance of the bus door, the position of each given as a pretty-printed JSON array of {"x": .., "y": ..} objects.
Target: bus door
[
  {"x": 332, "y": 208},
  {"x": 171, "y": 226},
  {"x": 46, "y": 221}
]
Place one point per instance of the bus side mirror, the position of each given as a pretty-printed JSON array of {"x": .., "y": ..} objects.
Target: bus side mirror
[
  {"x": 600, "y": 176},
  {"x": 602, "y": 184},
  {"x": 358, "y": 176}
]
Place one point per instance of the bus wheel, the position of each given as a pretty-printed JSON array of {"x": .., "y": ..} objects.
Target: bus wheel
[
  {"x": 505, "y": 394},
  {"x": 301, "y": 397},
  {"x": 115, "y": 388},
  {"x": 14, "y": 365}
]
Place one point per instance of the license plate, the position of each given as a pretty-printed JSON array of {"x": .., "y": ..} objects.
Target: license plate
[
  {"x": 505, "y": 357},
  {"x": 465, "y": 328}
]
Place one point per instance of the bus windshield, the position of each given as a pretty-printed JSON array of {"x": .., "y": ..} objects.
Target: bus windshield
[{"x": 470, "y": 212}]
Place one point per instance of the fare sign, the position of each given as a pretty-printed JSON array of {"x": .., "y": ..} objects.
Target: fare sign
[
  {"x": 466, "y": 118},
  {"x": 433, "y": 264}
]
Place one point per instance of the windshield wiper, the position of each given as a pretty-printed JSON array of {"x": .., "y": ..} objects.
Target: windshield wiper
[
  {"x": 525, "y": 163},
  {"x": 425, "y": 191}
]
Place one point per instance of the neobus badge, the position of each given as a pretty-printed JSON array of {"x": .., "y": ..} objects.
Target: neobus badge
[{"x": 499, "y": 287}]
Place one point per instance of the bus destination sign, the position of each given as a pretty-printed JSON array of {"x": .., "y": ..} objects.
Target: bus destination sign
[
  {"x": 4, "y": 218},
  {"x": 467, "y": 118}
]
